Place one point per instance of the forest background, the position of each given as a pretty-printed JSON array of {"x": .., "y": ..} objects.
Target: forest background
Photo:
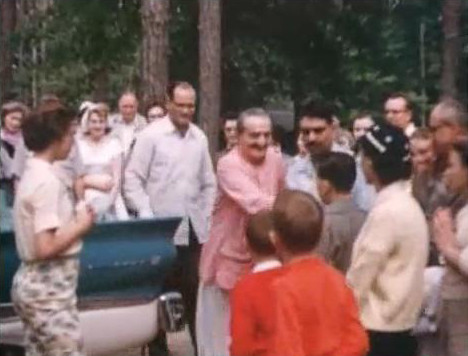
[{"x": 237, "y": 53}]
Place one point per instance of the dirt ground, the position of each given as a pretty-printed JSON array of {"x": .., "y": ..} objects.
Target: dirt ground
[{"x": 179, "y": 345}]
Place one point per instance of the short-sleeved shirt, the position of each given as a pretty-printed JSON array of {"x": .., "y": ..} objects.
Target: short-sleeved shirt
[{"x": 42, "y": 203}]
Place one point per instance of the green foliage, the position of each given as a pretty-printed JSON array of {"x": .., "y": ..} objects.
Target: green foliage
[
  {"x": 88, "y": 44},
  {"x": 351, "y": 57},
  {"x": 274, "y": 51}
]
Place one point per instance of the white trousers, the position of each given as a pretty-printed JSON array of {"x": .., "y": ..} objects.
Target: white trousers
[{"x": 212, "y": 321}]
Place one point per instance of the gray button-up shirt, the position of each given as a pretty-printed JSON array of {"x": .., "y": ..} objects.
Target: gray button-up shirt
[
  {"x": 172, "y": 175},
  {"x": 343, "y": 221}
]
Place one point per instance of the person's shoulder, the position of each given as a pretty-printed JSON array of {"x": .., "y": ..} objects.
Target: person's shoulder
[
  {"x": 463, "y": 212},
  {"x": 274, "y": 155},
  {"x": 336, "y": 147},
  {"x": 113, "y": 143},
  {"x": 231, "y": 158},
  {"x": 357, "y": 212},
  {"x": 198, "y": 133},
  {"x": 259, "y": 281},
  {"x": 154, "y": 129},
  {"x": 38, "y": 176},
  {"x": 300, "y": 164},
  {"x": 314, "y": 268}
]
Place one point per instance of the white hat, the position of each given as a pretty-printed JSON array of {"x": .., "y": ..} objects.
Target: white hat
[{"x": 85, "y": 109}]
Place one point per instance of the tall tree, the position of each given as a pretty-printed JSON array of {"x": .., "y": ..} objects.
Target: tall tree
[
  {"x": 155, "y": 49},
  {"x": 8, "y": 23},
  {"x": 210, "y": 69},
  {"x": 452, "y": 47}
]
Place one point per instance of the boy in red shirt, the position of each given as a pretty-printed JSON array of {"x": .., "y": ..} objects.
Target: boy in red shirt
[
  {"x": 315, "y": 311},
  {"x": 251, "y": 308}
]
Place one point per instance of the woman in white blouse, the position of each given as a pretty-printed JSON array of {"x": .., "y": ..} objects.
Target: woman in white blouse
[
  {"x": 452, "y": 240},
  {"x": 102, "y": 156}
]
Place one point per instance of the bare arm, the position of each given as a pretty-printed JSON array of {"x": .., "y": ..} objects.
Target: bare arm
[
  {"x": 79, "y": 187},
  {"x": 117, "y": 164}
]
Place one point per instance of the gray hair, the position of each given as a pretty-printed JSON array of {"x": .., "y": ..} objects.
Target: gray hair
[
  {"x": 453, "y": 112},
  {"x": 246, "y": 114},
  {"x": 13, "y": 106},
  {"x": 130, "y": 94}
]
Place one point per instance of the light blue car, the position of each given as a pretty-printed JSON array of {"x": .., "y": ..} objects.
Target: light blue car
[{"x": 121, "y": 299}]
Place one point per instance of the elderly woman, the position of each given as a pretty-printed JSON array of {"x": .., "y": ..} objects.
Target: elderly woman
[
  {"x": 156, "y": 111},
  {"x": 102, "y": 159},
  {"x": 451, "y": 236},
  {"x": 12, "y": 115}
]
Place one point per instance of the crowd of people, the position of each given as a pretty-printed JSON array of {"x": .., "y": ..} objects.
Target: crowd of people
[{"x": 357, "y": 245}]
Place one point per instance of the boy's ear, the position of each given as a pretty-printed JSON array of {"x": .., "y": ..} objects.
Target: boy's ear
[{"x": 274, "y": 238}]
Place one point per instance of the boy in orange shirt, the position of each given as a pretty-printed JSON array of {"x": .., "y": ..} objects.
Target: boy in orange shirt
[
  {"x": 251, "y": 307},
  {"x": 315, "y": 312}
]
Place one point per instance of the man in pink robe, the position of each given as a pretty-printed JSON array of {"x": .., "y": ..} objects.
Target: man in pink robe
[{"x": 249, "y": 178}]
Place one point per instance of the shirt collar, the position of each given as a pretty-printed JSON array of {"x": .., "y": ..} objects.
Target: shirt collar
[
  {"x": 392, "y": 190},
  {"x": 266, "y": 266},
  {"x": 37, "y": 162},
  {"x": 170, "y": 128},
  {"x": 339, "y": 148},
  {"x": 136, "y": 122},
  {"x": 340, "y": 205}
]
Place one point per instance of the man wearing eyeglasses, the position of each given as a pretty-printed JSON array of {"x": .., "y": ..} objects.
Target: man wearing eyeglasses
[
  {"x": 399, "y": 112},
  {"x": 169, "y": 174},
  {"x": 317, "y": 131}
]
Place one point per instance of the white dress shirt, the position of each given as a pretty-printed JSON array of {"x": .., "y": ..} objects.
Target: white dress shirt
[
  {"x": 126, "y": 132},
  {"x": 170, "y": 174}
]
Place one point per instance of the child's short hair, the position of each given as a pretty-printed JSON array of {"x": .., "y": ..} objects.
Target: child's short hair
[
  {"x": 298, "y": 220},
  {"x": 339, "y": 169},
  {"x": 45, "y": 125},
  {"x": 422, "y": 133},
  {"x": 258, "y": 233}
]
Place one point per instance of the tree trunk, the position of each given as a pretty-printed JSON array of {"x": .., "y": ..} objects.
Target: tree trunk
[
  {"x": 451, "y": 23},
  {"x": 8, "y": 24},
  {"x": 210, "y": 69},
  {"x": 100, "y": 79},
  {"x": 155, "y": 49}
]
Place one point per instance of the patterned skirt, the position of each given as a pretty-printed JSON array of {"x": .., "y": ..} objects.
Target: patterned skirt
[{"x": 44, "y": 296}]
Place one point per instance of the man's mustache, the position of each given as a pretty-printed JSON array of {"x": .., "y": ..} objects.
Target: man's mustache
[{"x": 258, "y": 147}]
